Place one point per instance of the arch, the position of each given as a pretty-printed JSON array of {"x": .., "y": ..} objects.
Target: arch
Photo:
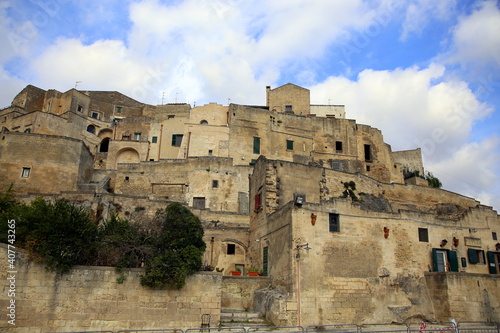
[
  {"x": 91, "y": 129},
  {"x": 5, "y": 130},
  {"x": 204, "y": 122},
  {"x": 105, "y": 133},
  {"x": 104, "y": 146},
  {"x": 232, "y": 240},
  {"x": 127, "y": 155}
]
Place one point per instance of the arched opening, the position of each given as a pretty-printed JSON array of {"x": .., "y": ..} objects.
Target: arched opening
[
  {"x": 91, "y": 129},
  {"x": 127, "y": 155},
  {"x": 106, "y": 133},
  {"x": 104, "y": 147},
  {"x": 204, "y": 122}
]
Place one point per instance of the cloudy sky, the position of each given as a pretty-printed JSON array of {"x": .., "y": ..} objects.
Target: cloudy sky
[{"x": 425, "y": 72}]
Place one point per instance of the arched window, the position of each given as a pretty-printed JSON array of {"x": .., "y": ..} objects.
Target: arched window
[
  {"x": 204, "y": 122},
  {"x": 91, "y": 129}
]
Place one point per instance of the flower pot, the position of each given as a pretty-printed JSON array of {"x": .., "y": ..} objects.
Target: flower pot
[
  {"x": 253, "y": 273},
  {"x": 235, "y": 273}
]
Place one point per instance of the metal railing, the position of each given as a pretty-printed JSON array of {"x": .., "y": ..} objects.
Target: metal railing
[{"x": 422, "y": 327}]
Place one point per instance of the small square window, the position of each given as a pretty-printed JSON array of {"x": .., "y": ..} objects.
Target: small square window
[
  {"x": 170, "y": 116},
  {"x": 154, "y": 139},
  {"x": 137, "y": 136},
  {"x": 26, "y": 172},
  {"x": 215, "y": 183},
  {"x": 368, "y": 168},
  {"x": 210, "y": 152},
  {"x": 288, "y": 108},
  {"x": 118, "y": 109},
  {"x": 289, "y": 145},
  {"x": 95, "y": 115},
  {"x": 231, "y": 249},
  {"x": 423, "y": 235},
  {"x": 334, "y": 223},
  {"x": 79, "y": 108},
  {"x": 338, "y": 146},
  {"x": 494, "y": 235}
]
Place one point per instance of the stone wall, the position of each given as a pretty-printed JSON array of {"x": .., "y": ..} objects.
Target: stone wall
[
  {"x": 238, "y": 291},
  {"x": 89, "y": 298}
]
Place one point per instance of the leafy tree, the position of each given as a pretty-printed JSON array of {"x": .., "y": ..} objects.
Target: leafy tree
[{"x": 179, "y": 250}]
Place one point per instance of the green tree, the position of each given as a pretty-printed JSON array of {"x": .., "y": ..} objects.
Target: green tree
[{"x": 179, "y": 250}]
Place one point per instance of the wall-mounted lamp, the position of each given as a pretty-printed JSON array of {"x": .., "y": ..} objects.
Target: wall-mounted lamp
[
  {"x": 455, "y": 241},
  {"x": 386, "y": 232},
  {"x": 443, "y": 243},
  {"x": 304, "y": 246}
]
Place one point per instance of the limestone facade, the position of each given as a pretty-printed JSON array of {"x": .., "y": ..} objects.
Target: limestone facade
[{"x": 317, "y": 201}]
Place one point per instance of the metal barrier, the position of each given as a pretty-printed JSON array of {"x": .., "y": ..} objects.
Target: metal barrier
[
  {"x": 384, "y": 328},
  {"x": 341, "y": 328},
  {"x": 170, "y": 330},
  {"x": 216, "y": 329},
  {"x": 423, "y": 327},
  {"x": 478, "y": 327},
  {"x": 427, "y": 327},
  {"x": 287, "y": 329}
]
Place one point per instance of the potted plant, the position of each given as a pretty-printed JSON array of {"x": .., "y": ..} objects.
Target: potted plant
[
  {"x": 253, "y": 271},
  {"x": 236, "y": 272},
  {"x": 219, "y": 269},
  {"x": 261, "y": 272}
]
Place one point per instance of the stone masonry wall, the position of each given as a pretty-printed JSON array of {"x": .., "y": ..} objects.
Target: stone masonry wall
[{"x": 89, "y": 298}]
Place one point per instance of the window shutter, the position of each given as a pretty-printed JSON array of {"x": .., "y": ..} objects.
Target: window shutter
[
  {"x": 174, "y": 137},
  {"x": 257, "y": 201},
  {"x": 491, "y": 262},
  {"x": 473, "y": 259},
  {"x": 453, "y": 258},
  {"x": 435, "y": 267}
]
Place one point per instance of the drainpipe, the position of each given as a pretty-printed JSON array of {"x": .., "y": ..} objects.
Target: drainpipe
[
  {"x": 298, "y": 292},
  {"x": 159, "y": 145}
]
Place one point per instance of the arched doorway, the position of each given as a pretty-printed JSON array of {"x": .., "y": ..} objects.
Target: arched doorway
[{"x": 104, "y": 146}]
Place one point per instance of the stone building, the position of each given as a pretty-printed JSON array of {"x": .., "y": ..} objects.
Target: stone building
[{"x": 317, "y": 201}]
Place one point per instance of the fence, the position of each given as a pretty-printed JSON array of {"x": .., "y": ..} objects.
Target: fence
[{"x": 423, "y": 327}]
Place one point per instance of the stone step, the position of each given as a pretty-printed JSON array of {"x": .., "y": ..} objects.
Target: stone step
[{"x": 240, "y": 318}]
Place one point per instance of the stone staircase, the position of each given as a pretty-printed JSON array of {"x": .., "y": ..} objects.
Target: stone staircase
[{"x": 240, "y": 318}]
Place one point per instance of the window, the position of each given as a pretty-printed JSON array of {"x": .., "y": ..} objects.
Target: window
[
  {"x": 177, "y": 140},
  {"x": 444, "y": 260},
  {"x": 79, "y": 108},
  {"x": 203, "y": 122},
  {"x": 494, "y": 235},
  {"x": 368, "y": 168},
  {"x": 26, "y": 172},
  {"x": 289, "y": 145},
  {"x": 118, "y": 109},
  {"x": 28, "y": 130},
  {"x": 476, "y": 256},
  {"x": 210, "y": 152},
  {"x": 256, "y": 145},
  {"x": 338, "y": 146},
  {"x": 288, "y": 108},
  {"x": 154, "y": 139},
  {"x": 231, "y": 249},
  {"x": 215, "y": 183},
  {"x": 95, "y": 115},
  {"x": 199, "y": 202},
  {"x": 334, "y": 222},
  {"x": 265, "y": 260},
  {"x": 423, "y": 235},
  {"x": 91, "y": 129},
  {"x": 137, "y": 136},
  {"x": 368, "y": 153},
  {"x": 170, "y": 116}
]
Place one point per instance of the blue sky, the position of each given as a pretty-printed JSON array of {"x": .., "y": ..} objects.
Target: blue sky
[{"x": 426, "y": 73}]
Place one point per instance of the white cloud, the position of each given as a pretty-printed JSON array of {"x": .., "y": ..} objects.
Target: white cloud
[
  {"x": 476, "y": 37},
  {"x": 420, "y": 13}
]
